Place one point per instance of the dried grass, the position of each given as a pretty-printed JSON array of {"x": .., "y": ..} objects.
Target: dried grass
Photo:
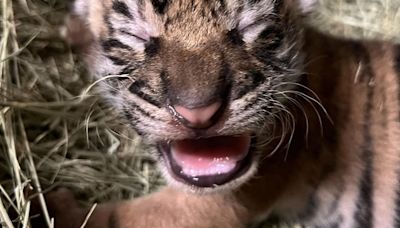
[
  {"x": 53, "y": 129},
  {"x": 359, "y": 19}
]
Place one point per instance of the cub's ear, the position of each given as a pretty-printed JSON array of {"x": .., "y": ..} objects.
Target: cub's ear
[
  {"x": 307, "y": 6},
  {"x": 75, "y": 30},
  {"x": 80, "y": 8}
]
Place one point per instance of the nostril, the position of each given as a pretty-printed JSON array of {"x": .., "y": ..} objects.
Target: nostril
[{"x": 198, "y": 117}]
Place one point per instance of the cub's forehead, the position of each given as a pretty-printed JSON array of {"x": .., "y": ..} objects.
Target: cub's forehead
[
  {"x": 226, "y": 13},
  {"x": 188, "y": 22},
  {"x": 192, "y": 21},
  {"x": 197, "y": 21}
]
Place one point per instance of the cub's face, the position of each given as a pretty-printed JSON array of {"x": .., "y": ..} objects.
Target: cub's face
[{"x": 205, "y": 81}]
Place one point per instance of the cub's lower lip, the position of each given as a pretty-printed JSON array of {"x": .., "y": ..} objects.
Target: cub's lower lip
[{"x": 207, "y": 162}]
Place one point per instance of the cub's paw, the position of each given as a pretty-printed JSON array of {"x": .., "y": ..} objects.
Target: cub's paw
[{"x": 63, "y": 207}]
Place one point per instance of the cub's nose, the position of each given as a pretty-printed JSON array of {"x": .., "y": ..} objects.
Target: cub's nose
[{"x": 201, "y": 117}]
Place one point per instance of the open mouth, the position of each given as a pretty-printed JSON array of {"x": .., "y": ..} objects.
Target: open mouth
[{"x": 207, "y": 162}]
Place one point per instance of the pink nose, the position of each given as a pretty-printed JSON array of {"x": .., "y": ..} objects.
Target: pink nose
[{"x": 198, "y": 117}]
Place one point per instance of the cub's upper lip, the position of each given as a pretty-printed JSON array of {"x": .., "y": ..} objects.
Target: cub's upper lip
[{"x": 207, "y": 162}]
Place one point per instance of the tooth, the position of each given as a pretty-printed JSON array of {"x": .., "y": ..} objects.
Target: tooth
[{"x": 195, "y": 179}]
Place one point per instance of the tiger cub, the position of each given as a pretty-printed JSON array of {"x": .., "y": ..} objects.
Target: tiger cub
[{"x": 253, "y": 114}]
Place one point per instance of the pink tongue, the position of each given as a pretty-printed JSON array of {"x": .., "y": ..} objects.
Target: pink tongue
[{"x": 210, "y": 156}]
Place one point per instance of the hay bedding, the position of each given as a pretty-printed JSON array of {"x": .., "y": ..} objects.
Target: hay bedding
[
  {"x": 359, "y": 19},
  {"x": 54, "y": 128}
]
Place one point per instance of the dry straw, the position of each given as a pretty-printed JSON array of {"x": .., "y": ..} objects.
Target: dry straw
[
  {"x": 53, "y": 129},
  {"x": 359, "y": 19}
]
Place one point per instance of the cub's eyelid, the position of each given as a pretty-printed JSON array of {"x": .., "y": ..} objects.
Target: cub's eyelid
[
  {"x": 141, "y": 39},
  {"x": 248, "y": 27}
]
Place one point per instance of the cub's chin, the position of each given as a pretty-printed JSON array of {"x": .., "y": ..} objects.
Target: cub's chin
[{"x": 208, "y": 164}]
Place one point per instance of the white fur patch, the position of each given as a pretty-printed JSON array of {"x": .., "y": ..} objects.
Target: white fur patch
[
  {"x": 81, "y": 8},
  {"x": 250, "y": 34},
  {"x": 253, "y": 13},
  {"x": 252, "y": 19},
  {"x": 307, "y": 6}
]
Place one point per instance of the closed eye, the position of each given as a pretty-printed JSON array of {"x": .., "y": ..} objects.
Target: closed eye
[{"x": 137, "y": 37}]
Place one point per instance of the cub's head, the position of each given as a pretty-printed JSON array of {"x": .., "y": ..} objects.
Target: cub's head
[{"x": 205, "y": 81}]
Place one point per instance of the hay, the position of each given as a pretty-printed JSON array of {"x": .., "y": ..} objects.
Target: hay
[
  {"x": 359, "y": 19},
  {"x": 54, "y": 130}
]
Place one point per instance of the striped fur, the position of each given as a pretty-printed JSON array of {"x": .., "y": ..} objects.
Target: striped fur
[{"x": 333, "y": 161}]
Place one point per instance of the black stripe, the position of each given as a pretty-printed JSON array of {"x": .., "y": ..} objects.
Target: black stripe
[
  {"x": 235, "y": 37},
  {"x": 136, "y": 88},
  {"x": 107, "y": 21},
  {"x": 257, "y": 78},
  {"x": 397, "y": 59},
  {"x": 363, "y": 214},
  {"x": 214, "y": 13},
  {"x": 124, "y": 31},
  {"x": 160, "y": 6},
  {"x": 152, "y": 47},
  {"x": 271, "y": 38},
  {"x": 164, "y": 83},
  {"x": 107, "y": 45},
  {"x": 266, "y": 45},
  {"x": 117, "y": 61},
  {"x": 278, "y": 4},
  {"x": 144, "y": 113},
  {"x": 397, "y": 69},
  {"x": 128, "y": 115},
  {"x": 133, "y": 121},
  {"x": 222, "y": 4},
  {"x": 113, "y": 91},
  {"x": 122, "y": 8},
  {"x": 253, "y": 2},
  {"x": 127, "y": 70},
  {"x": 224, "y": 83},
  {"x": 253, "y": 79}
]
